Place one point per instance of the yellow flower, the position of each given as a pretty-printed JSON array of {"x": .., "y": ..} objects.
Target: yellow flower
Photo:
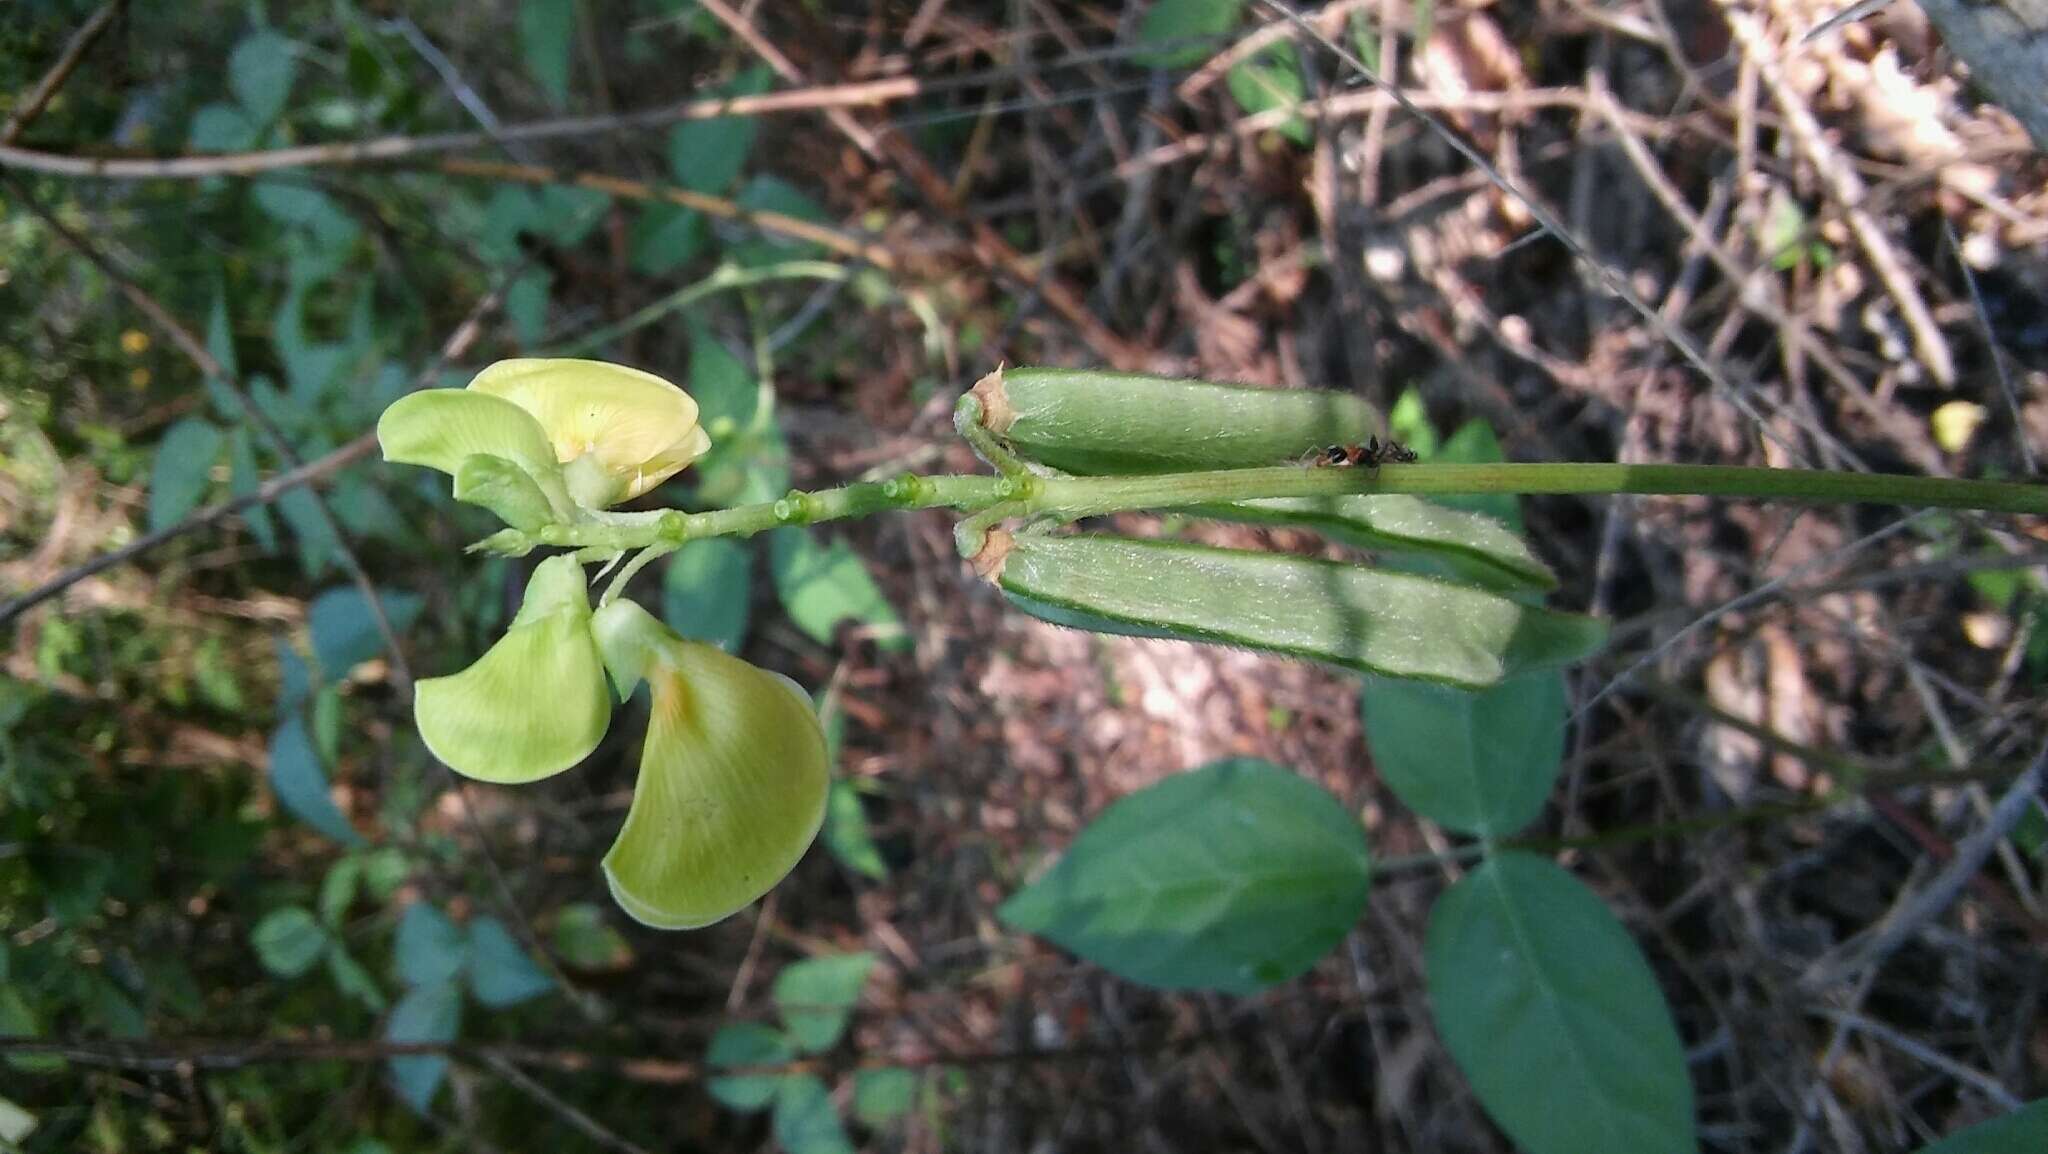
[
  {"x": 535, "y": 704},
  {"x": 733, "y": 778},
  {"x": 619, "y": 431}
]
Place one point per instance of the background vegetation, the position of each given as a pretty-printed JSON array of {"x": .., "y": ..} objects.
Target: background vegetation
[{"x": 243, "y": 911}]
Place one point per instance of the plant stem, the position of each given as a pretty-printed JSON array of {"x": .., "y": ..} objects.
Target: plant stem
[{"x": 1070, "y": 498}]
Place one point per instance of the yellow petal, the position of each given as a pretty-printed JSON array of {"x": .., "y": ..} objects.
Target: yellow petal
[
  {"x": 439, "y": 428},
  {"x": 1955, "y": 423},
  {"x": 641, "y": 429},
  {"x": 535, "y": 704},
  {"x": 732, "y": 790}
]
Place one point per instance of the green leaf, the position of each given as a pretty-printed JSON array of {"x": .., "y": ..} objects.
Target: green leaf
[
  {"x": 822, "y": 586},
  {"x": 1270, "y": 80},
  {"x": 354, "y": 981},
  {"x": 707, "y": 590},
  {"x": 847, "y": 835},
  {"x": 428, "y": 1014},
  {"x": 300, "y": 782},
  {"x": 500, "y": 972},
  {"x": 16, "y": 1124},
  {"x": 1475, "y": 444},
  {"x": 429, "y": 949},
  {"x": 345, "y": 632},
  {"x": 1351, "y": 616},
  {"x": 289, "y": 941},
  {"x": 748, "y": 1044},
  {"x": 324, "y": 222},
  {"x": 384, "y": 870},
  {"x": 816, "y": 997},
  {"x": 509, "y": 212},
  {"x": 183, "y": 470},
  {"x": 1183, "y": 32},
  {"x": 726, "y": 391},
  {"x": 1479, "y": 762},
  {"x": 220, "y": 338},
  {"x": 1230, "y": 877},
  {"x": 585, "y": 941},
  {"x": 546, "y": 29},
  {"x": 318, "y": 545},
  {"x": 806, "y": 1122},
  {"x": 1408, "y": 422},
  {"x": 764, "y": 193},
  {"x": 1555, "y": 1018},
  {"x": 567, "y": 214},
  {"x": 707, "y": 155},
  {"x": 338, "y": 890},
  {"x": 244, "y": 478},
  {"x": 882, "y": 1096},
  {"x": 526, "y": 304},
  {"x": 220, "y": 128},
  {"x": 665, "y": 237},
  {"x": 260, "y": 72},
  {"x": 2024, "y": 1129},
  {"x": 19, "y": 1019}
]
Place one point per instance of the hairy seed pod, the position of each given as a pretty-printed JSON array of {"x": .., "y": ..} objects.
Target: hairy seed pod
[
  {"x": 1101, "y": 423},
  {"x": 1351, "y": 616}
]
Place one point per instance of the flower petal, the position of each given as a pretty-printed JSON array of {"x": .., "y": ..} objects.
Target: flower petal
[
  {"x": 438, "y": 428},
  {"x": 641, "y": 428},
  {"x": 731, "y": 793},
  {"x": 536, "y": 703}
]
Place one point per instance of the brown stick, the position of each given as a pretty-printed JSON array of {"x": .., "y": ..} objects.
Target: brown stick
[
  {"x": 270, "y": 490},
  {"x": 774, "y": 222},
  {"x": 386, "y": 148},
  {"x": 31, "y": 105},
  {"x": 203, "y": 360}
]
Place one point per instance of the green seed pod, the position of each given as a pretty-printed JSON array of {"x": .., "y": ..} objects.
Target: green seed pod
[
  {"x": 1101, "y": 423},
  {"x": 1477, "y": 547},
  {"x": 1368, "y": 620}
]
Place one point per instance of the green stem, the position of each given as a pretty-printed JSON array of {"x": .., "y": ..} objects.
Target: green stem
[{"x": 1070, "y": 498}]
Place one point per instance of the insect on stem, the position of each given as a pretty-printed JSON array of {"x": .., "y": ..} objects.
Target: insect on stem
[{"x": 1371, "y": 455}]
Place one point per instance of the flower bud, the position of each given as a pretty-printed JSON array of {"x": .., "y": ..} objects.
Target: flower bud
[
  {"x": 535, "y": 704},
  {"x": 617, "y": 431},
  {"x": 1102, "y": 423},
  {"x": 1351, "y": 616},
  {"x": 733, "y": 779}
]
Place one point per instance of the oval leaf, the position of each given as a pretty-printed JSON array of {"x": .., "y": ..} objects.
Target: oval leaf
[
  {"x": 1552, "y": 1013},
  {"x": 806, "y": 1122},
  {"x": 822, "y": 586},
  {"x": 816, "y": 997},
  {"x": 429, "y": 949},
  {"x": 184, "y": 463},
  {"x": 2024, "y": 1129},
  {"x": 1480, "y": 762},
  {"x": 747, "y": 1044},
  {"x": 345, "y": 632},
  {"x": 427, "y": 1014},
  {"x": 1230, "y": 877},
  {"x": 707, "y": 591},
  {"x": 289, "y": 941},
  {"x": 300, "y": 782},
  {"x": 500, "y": 972}
]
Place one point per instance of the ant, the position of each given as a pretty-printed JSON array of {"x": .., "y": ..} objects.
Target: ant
[{"x": 1371, "y": 455}]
